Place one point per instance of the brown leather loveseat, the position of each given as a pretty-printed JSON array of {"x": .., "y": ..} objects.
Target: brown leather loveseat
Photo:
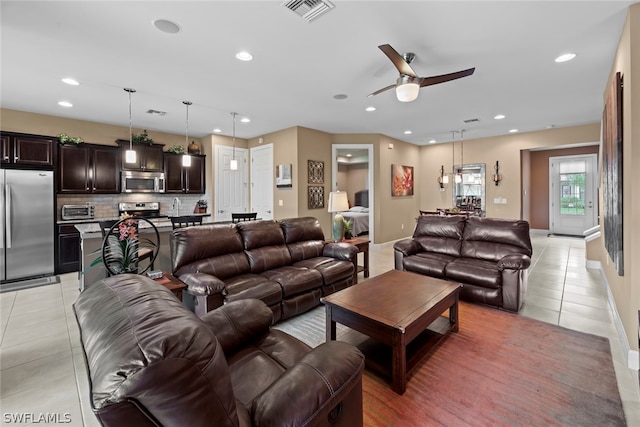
[
  {"x": 488, "y": 256},
  {"x": 286, "y": 264},
  {"x": 152, "y": 362}
]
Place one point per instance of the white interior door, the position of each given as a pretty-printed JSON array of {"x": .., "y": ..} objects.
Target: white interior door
[
  {"x": 572, "y": 196},
  {"x": 232, "y": 193},
  {"x": 262, "y": 181}
]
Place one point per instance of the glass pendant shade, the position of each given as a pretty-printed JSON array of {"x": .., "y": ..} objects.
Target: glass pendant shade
[
  {"x": 130, "y": 156},
  {"x": 186, "y": 160},
  {"x": 233, "y": 164},
  {"x": 445, "y": 179}
]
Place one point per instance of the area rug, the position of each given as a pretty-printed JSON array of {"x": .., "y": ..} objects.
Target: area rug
[{"x": 499, "y": 369}]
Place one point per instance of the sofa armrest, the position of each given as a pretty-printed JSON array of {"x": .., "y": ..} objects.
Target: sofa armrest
[
  {"x": 313, "y": 388},
  {"x": 237, "y": 322},
  {"x": 202, "y": 284},
  {"x": 339, "y": 250},
  {"x": 514, "y": 262},
  {"x": 407, "y": 246}
]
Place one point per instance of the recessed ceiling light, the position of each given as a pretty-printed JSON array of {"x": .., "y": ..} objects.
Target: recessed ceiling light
[
  {"x": 513, "y": 130},
  {"x": 245, "y": 120},
  {"x": 370, "y": 109},
  {"x": 244, "y": 56},
  {"x": 565, "y": 57},
  {"x": 70, "y": 81},
  {"x": 166, "y": 26},
  {"x": 348, "y": 155},
  {"x": 217, "y": 130},
  {"x": 65, "y": 104},
  {"x": 432, "y": 141},
  {"x": 407, "y": 132},
  {"x": 499, "y": 116}
]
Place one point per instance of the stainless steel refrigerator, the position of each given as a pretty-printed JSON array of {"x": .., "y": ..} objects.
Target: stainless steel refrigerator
[{"x": 27, "y": 224}]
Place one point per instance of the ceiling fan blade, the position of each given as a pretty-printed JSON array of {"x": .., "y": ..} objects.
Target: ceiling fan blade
[
  {"x": 397, "y": 60},
  {"x": 381, "y": 90},
  {"x": 434, "y": 80}
]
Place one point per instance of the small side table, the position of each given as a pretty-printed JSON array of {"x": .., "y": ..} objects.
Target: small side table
[
  {"x": 362, "y": 243},
  {"x": 172, "y": 283}
]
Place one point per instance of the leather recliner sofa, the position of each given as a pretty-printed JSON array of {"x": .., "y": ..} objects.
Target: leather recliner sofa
[
  {"x": 488, "y": 256},
  {"x": 286, "y": 264},
  {"x": 152, "y": 362}
]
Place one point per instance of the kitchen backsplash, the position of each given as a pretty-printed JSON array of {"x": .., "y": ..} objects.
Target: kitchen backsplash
[{"x": 107, "y": 204}]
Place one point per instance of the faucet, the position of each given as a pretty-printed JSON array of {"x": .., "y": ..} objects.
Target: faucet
[{"x": 175, "y": 205}]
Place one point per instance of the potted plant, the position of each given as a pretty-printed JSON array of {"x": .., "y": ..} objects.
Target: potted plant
[
  {"x": 176, "y": 149},
  {"x": 142, "y": 138},
  {"x": 201, "y": 206},
  {"x": 63, "y": 138},
  {"x": 348, "y": 226}
]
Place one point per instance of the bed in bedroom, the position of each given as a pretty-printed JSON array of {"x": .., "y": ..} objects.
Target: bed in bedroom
[{"x": 359, "y": 213}]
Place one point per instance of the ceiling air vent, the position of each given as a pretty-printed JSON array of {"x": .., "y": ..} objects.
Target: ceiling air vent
[
  {"x": 309, "y": 9},
  {"x": 472, "y": 121}
]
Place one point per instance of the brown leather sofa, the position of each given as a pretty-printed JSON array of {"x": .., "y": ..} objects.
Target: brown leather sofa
[
  {"x": 152, "y": 362},
  {"x": 286, "y": 264},
  {"x": 488, "y": 256}
]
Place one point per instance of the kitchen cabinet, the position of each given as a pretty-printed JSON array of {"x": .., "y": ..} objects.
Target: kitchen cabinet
[
  {"x": 67, "y": 249},
  {"x": 180, "y": 179},
  {"x": 88, "y": 168},
  {"x": 28, "y": 150},
  {"x": 149, "y": 158}
]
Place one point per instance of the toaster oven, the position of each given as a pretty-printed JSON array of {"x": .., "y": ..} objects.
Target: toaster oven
[{"x": 86, "y": 211}]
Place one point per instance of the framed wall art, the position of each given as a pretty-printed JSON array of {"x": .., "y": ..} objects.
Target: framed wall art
[
  {"x": 401, "y": 180},
  {"x": 316, "y": 171},
  {"x": 283, "y": 176},
  {"x": 316, "y": 197}
]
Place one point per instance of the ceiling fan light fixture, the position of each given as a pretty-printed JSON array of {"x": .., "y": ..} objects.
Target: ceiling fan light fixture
[{"x": 407, "y": 88}]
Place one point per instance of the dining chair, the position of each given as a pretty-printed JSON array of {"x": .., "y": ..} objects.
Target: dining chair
[
  {"x": 244, "y": 216},
  {"x": 185, "y": 221}
]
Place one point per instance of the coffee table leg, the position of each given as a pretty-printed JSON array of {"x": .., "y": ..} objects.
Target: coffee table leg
[
  {"x": 331, "y": 325},
  {"x": 399, "y": 363},
  {"x": 453, "y": 316}
]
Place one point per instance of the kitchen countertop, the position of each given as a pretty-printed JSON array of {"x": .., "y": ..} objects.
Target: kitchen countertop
[
  {"x": 97, "y": 220},
  {"x": 91, "y": 229}
]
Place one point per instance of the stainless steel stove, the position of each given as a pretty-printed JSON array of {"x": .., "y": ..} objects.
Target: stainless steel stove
[{"x": 143, "y": 209}]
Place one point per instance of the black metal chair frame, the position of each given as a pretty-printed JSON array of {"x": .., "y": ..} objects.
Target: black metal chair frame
[
  {"x": 185, "y": 221},
  {"x": 244, "y": 216}
]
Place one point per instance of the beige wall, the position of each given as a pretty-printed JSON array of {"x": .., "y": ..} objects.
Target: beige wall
[
  {"x": 626, "y": 289},
  {"x": 357, "y": 179}
]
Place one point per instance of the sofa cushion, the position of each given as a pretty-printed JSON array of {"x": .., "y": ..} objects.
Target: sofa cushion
[
  {"x": 427, "y": 263},
  {"x": 440, "y": 234},
  {"x": 306, "y": 249},
  {"x": 493, "y": 238},
  {"x": 476, "y": 271},
  {"x": 300, "y": 303},
  {"x": 331, "y": 269},
  {"x": 268, "y": 257},
  {"x": 196, "y": 244},
  {"x": 222, "y": 267},
  {"x": 253, "y": 286},
  {"x": 301, "y": 229},
  {"x": 257, "y": 234},
  {"x": 294, "y": 280}
]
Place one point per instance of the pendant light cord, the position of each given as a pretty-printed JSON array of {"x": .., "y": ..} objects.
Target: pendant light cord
[
  {"x": 233, "y": 155},
  {"x": 130, "y": 91},
  {"x": 186, "y": 135}
]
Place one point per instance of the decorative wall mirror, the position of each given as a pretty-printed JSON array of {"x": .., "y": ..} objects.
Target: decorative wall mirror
[{"x": 469, "y": 188}]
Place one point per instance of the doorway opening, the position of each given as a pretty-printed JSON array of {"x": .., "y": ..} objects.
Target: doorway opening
[{"x": 352, "y": 171}]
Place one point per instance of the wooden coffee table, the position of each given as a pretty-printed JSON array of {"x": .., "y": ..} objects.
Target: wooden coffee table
[{"x": 401, "y": 312}]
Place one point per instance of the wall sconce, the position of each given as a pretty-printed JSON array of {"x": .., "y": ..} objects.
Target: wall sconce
[
  {"x": 442, "y": 179},
  {"x": 496, "y": 177}
]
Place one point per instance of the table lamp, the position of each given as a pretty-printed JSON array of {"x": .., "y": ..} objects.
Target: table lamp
[{"x": 338, "y": 202}]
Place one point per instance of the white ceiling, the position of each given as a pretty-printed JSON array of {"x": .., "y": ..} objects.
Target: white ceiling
[{"x": 298, "y": 66}]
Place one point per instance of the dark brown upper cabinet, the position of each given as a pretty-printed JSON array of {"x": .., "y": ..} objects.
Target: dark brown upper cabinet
[
  {"x": 28, "y": 150},
  {"x": 88, "y": 168},
  {"x": 181, "y": 179},
  {"x": 148, "y": 157}
]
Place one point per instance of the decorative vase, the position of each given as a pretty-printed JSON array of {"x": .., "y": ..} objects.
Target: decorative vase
[{"x": 193, "y": 148}]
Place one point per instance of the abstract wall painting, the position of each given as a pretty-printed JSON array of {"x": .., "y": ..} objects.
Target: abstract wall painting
[{"x": 401, "y": 180}]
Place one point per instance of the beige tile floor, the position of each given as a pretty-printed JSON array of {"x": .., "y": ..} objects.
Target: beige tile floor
[{"x": 42, "y": 368}]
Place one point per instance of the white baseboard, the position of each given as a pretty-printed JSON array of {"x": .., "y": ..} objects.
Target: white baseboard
[
  {"x": 538, "y": 231},
  {"x": 633, "y": 361}
]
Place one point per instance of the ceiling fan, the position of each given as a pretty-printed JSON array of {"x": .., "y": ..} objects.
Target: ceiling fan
[{"x": 408, "y": 84}]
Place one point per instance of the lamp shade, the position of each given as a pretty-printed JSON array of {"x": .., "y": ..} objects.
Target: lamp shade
[
  {"x": 407, "y": 92},
  {"x": 338, "y": 201}
]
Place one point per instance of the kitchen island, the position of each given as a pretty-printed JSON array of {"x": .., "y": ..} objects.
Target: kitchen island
[{"x": 91, "y": 244}]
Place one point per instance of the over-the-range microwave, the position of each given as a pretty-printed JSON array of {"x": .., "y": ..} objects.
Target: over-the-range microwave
[{"x": 142, "y": 182}]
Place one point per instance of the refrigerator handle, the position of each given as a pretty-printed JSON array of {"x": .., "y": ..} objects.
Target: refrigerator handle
[{"x": 7, "y": 214}]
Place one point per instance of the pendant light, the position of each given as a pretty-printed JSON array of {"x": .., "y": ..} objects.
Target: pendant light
[
  {"x": 233, "y": 164},
  {"x": 186, "y": 158},
  {"x": 130, "y": 154}
]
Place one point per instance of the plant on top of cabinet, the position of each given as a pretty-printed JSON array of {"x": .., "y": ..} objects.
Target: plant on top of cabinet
[
  {"x": 176, "y": 149},
  {"x": 63, "y": 138},
  {"x": 142, "y": 138}
]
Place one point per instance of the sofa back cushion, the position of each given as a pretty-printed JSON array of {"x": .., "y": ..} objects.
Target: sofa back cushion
[
  {"x": 264, "y": 245},
  {"x": 493, "y": 238},
  {"x": 141, "y": 345},
  {"x": 304, "y": 237},
  {"x": 215, "y": 249},
  {"x": 440, "y": 234}
]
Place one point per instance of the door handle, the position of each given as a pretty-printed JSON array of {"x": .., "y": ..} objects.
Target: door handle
[
  {"x": 7, "y": 214},
  {"x": 268, "y": 211}
]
